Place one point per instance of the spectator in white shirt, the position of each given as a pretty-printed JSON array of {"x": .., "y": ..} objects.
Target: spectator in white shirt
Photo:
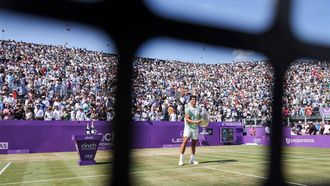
[
  {"x": 80, "y": 115},
  {"x": 57, "y": 113},
  {"x": 73, "y": 115},
  {"x": 39, "y": 113}
]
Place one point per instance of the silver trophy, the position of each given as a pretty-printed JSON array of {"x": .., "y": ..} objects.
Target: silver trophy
[
  {"x": 93, "y": 131},
  {"x": 204, "y": 117}
]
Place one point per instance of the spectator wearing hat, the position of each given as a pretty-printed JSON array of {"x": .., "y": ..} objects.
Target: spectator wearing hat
[
  {"x": 9, "y": 99},
  {"x": 48, "y": 114},
  {"x": 29, "y": 112},
  {"x": 8, "y": 112},
  {"x": 66, "y": 114},
  {"x": 19, "y": 112},
  {"x": 39, "y": 112},
  {"x": 5, "y": 88},
  {"x": 299, "y": 127},
  {"x": 94, "y": 115},
  {"x": 110, "y": 114},
  {"x": 45, "y": 101},
  {"x": 102, "y": 114}
]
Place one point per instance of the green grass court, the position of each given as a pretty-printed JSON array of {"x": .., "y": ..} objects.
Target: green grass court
[{"x": 219, "y": 165}]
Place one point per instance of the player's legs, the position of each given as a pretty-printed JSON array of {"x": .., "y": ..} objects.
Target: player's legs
[
  {"x": 182, "y": 149},
  {"x": 184, "y": 144},
  {"x": 193, "y": 146},
  {"x": 194, "y": 139},
  {"x": 186, "y": 135}
]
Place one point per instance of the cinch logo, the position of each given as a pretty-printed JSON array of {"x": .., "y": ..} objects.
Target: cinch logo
[
  {"x": 86, "y": 146},
  {"x": 3, "y": 145}
]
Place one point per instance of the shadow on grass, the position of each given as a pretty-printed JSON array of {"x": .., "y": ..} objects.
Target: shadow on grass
[
  {"x": 218, "y": 161},
  {"x": 104, "y": 162}
]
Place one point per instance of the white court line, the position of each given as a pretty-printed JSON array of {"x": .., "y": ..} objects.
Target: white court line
[
  {"x": 300, "y": 156},
  {"x": 94, "y": 176},
  {"x": 3, "y": 169},
  {"x": 249, "y": 175},
  {"x": 49, "y": 180},
  {"x": 247, "y": 163},
  {"x": 162, "y": 170},
  {"x": 53, "y": 159},
  {"x": 150, "y": 171},
  {"x": 284, "y": 155},
  {"x": 24, "y": 161}
]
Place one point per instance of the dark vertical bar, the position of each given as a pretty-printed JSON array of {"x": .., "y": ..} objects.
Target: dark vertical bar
[
  {"x": 275, "y": 174},
  {"x": 122, "y": 121},
  {"x": 281, "y": 55}
]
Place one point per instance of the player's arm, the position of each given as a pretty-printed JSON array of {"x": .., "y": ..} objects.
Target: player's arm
[{"x": 187, "y": 116}]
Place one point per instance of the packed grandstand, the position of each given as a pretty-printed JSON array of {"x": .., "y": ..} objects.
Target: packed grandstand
[{"x": 47, "y": 82}]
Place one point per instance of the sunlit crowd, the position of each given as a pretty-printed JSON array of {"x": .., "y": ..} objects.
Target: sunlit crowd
[
  {"x": 45, "y": 82},
  {"x": 48, "y": 82}
]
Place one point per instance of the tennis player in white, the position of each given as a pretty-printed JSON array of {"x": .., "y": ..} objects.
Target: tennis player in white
[{"x": 191, "y": 121}]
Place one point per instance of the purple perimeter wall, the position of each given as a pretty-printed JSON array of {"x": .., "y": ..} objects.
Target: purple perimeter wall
[{"x": 56, "y": 136}]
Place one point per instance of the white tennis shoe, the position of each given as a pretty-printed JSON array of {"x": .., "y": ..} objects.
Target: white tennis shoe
[
  {"x": 181, "y": 162},
  {"x": 193, "y": 162}
]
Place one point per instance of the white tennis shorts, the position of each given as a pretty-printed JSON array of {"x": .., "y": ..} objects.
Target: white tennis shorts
[{"x": 190, "y": 133}]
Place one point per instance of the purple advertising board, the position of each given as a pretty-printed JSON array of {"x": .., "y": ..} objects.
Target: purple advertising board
[
  {"x": 162, "y": 134},
  {"x": 307, "y": 141},
  {"x": 55, "y": 136},
  {"x": 256, "y": 135},
  {"x": 321, "y": 141},
  {"x": 261, "y": 138},
  {"x": 47, "y": 136}
]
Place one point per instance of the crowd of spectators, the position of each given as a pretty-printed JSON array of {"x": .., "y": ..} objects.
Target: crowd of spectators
[
  {"x": 47, "y": 82},
  {"x": 310, "y": 128},
  {"x": 230, "y": 92},
  {"x": 307, "y": 89}
]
